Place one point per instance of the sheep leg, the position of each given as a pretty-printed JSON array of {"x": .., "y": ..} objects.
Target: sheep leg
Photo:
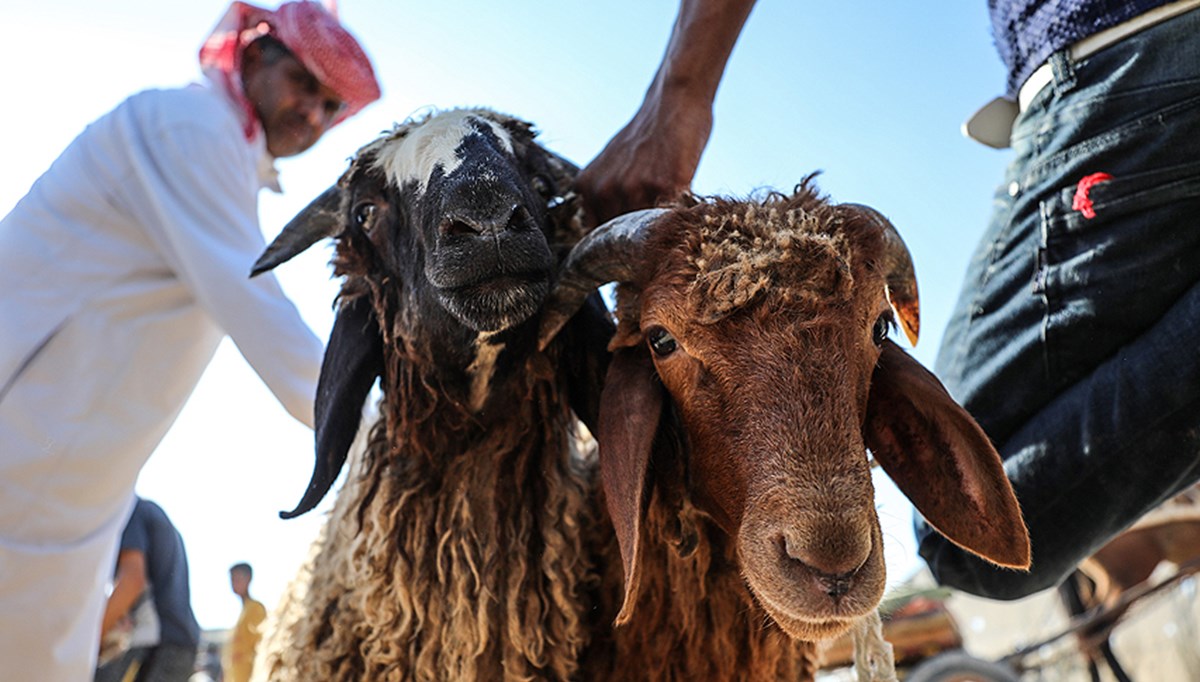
[{"x": 873, "y": 659}]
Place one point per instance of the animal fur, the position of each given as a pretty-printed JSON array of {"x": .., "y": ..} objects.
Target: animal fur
[
  {"x": 733, "y": 453},
  {"x": 472, "y": 540},
  {"x": 457, "y": 548}
]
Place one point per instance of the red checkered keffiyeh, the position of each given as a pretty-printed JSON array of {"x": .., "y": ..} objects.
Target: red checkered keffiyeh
[{"x": 314, "y": 36}]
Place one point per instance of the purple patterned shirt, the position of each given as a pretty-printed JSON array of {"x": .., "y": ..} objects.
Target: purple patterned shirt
[{"x": 1027, "y": 32}]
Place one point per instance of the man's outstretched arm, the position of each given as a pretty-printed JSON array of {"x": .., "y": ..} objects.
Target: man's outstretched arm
[{"x": 654, "y": 157}]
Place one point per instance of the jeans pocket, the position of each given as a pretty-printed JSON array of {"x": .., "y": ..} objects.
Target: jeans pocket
[
  {"x": 1129, "y": 221},
  {"x": 1116, "y": 253},
  {"x": 1092, "y": 207}
]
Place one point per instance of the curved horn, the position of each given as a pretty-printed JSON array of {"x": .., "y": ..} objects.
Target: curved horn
[
  {"x": 321, "y": 218},
  {"x": 901, "y": 275},
  {"x": 607, "y": 254}
]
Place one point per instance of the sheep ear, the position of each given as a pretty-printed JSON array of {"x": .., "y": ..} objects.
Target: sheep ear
[
  {"x": 630, "y": 408},
  {"x": 353, "y": 359},
  {"x": 942, "y": 461}
]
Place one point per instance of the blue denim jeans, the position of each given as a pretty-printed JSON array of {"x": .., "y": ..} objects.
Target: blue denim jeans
[{"x": 1076, "y": 341}]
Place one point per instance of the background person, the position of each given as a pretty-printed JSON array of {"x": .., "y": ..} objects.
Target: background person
[
  {"x": 246, "y": 634},
  {"x": 123, "y": 267},
  {"x": 152, "y": 560}
]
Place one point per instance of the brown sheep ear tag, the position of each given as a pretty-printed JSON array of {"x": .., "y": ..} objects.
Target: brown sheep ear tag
[
  {"x": 630, "y": 408},
  {"x": 942, "y": 461}
]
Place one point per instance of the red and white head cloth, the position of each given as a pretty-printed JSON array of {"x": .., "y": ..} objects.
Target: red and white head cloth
[{"x": 314, "y": 36}]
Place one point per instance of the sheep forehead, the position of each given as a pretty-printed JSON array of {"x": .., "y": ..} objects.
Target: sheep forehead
[
  {"x": 742, "y": 257},
  {"x": 433, "y": 144}
]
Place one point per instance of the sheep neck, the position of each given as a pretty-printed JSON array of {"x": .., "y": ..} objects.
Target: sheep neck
[
  {"x": 470, "y": 561},
  {"x": 483, "y": 368},
  {"x": 695, "y": 618}
]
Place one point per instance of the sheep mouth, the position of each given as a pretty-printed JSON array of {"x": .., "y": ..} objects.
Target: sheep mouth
[
  {"x": 497, "y": 303},
  {"x": 791, "y": 597},
  {"x": 813, "y": 619},
  {"x": 812, "y": 630},
  {"x": 527, "y": 282},
  {"x": 806, "y": 604}
]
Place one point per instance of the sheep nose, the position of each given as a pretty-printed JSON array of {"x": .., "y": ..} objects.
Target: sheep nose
[
  {"x": 833, "y": 567},
  {"x": 835, "y": 585},
  {"x": 487, "y": 223}
]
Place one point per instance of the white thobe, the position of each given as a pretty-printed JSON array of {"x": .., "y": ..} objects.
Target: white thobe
[{"x": 121, "y": 270}]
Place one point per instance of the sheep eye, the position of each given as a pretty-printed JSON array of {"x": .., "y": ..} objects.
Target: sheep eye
[
  {"x": 364, "y": 215},
  {"x": 883, "y": 327},
  {"x": 661, "y": 342}
]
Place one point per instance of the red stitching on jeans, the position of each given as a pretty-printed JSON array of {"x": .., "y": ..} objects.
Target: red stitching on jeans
[{"x": 1082, "y": 202}]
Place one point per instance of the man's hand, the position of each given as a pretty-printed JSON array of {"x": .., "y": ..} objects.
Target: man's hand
[
  {"x": 650, "y": 161},
  {"x": 654, "y": 157}
]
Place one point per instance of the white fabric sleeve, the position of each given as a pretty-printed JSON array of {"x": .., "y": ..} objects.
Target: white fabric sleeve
[{"x": 203, "y": 211}]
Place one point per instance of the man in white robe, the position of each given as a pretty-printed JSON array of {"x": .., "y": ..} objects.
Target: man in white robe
[{"x": 122, "y": 268}]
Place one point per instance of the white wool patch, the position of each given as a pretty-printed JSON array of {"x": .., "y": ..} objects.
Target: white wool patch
[
  {"x": 483, "y": 367},
  {"x": 431, "y": 145}
]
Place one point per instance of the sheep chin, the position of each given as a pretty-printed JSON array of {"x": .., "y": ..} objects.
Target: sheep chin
[
  {"x": 497, "y": 304},
  {"x": 790, "y": 593},
  {"x": 812, "y": 630}
]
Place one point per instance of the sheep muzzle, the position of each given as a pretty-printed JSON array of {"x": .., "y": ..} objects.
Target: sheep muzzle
[
  {"x": 813, "y": 573},
  {"x": 491, "y": 282}
]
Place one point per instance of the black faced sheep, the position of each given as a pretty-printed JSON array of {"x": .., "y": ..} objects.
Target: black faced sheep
[
  {"x": 457, "y": 547},
  {"x": 751, "y": 373}
]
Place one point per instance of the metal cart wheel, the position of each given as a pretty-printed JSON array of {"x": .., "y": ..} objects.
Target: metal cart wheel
[{"x": 959, "y": 666}]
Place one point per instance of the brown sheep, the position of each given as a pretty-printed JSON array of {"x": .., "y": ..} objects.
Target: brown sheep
[{"x": 751, "y": 373}]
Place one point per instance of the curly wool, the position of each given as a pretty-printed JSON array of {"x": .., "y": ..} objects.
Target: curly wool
[
  {"x": 458, "y": 551},
  {"x": 451, "y": 575},
  {"x": 695, "y": 618},
  {"x": 792, "y": 251},
  {"x": 480, "y": 583},
  {"x": 791, "y": 246}
]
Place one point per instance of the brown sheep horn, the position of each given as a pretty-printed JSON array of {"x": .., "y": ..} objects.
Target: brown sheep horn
[
  {"x": 609, "y": 253},
  {"x": 901, "y": 276},
  {"x": 321, "y": 218}
]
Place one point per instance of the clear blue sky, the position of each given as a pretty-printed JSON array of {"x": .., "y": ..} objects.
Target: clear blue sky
[{"x": 871, "y": 92}]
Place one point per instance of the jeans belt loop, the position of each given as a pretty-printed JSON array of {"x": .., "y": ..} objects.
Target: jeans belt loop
[{"x": 992, "y": 125}]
